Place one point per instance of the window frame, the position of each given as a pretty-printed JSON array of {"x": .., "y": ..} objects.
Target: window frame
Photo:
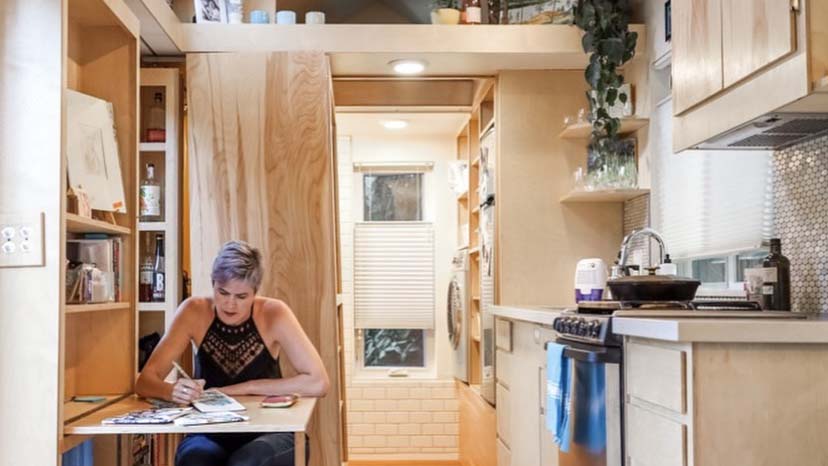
[
  {"x": 732, "y": 287},
  {"x": 429, "y": 371}
]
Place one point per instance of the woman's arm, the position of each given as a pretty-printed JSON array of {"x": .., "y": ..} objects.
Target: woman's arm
[
  {"x": 150, "y": 383},
  {"x": 312, "y": 378}
]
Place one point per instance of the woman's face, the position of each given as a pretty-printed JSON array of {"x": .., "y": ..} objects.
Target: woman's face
[{"x": 234, "y": 301}]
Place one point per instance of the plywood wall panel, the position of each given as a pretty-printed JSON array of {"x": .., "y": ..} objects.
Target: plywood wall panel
[{"x": 260, "y": 167}]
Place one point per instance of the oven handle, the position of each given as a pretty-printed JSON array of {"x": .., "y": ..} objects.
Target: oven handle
[{"x": 591, "y": 353}]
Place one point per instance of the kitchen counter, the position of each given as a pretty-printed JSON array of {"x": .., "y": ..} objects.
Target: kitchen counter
[
  {"x": 812, "y": 329},
  {"x": 544, "y": 315}
]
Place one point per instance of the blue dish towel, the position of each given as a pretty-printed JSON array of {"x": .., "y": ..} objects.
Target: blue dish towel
[
  {"x": 590, "y": 406},
  {"x": 558, "y": 394}
]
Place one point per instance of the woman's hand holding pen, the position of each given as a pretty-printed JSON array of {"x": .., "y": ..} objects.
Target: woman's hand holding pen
[{"x": 185, "y": 391}]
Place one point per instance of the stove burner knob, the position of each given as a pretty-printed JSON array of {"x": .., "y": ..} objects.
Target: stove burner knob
[
  {"x": 582, "y": 328},
  {"x": 556, "y": 324},
  {"x": 595, "y": 329}
]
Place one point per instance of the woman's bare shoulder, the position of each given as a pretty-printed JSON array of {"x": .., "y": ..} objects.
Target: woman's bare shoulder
[{"x": 195, "y": 308}]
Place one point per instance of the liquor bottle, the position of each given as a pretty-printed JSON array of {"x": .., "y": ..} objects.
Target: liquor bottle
[
  {"x": 776, "y": 289},
  {"x": 158, "y": 283},
  {"x": 473, "y": 12},
  {"x": 150, "y": 197},
  {"x": 156, "y": 121},
  {"x": 145, "y": 277}
]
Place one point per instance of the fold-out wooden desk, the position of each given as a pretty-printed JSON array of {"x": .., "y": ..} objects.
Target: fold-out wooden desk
[{"x": 262, "y": 420}]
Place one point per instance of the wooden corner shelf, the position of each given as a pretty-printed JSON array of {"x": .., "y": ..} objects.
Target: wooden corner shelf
[
  {"x": 77, "y": 224},
  {"x": 73, "y": 410},
  {"x": 152, "y": 307},
  {"x": 489, "y": 125},
  {"x": 583, "y": 130},
  {"x": 81, "y": 308},
  {"x": 463, "y": 197},
  {"x": 610, "y": 195},
  {"x": 476, "y": 161},
  {"x": 474, "y": 251}
]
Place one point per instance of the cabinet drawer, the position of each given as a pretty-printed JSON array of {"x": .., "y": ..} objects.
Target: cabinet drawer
[
  {"x": 653, "y": 440},
  {"x": 504, "y": 414},
  {"x": 657, "y": 375},
  {"x": 503, "y": 368},
  {"x": 504, "y": 456},
  {"x": 503, "y": 335}
]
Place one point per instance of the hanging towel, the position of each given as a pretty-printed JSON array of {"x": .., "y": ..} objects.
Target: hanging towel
[
  {"x": 590, "y": 429},
  {"x": 557, "y": 394}
]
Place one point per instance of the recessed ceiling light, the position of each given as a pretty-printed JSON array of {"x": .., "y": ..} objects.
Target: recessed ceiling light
[
  {"x": 394, "y": 124},
  {"x": 408, "y": 67}
]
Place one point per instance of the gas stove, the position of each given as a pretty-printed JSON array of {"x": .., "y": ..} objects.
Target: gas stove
[{"x": 591, "y": 321}]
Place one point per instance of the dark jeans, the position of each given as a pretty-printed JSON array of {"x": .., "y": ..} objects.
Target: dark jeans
[{"x": 238, "y": 450}]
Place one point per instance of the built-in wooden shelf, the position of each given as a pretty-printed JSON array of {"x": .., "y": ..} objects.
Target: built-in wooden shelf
[
  {"x": 583, "y": 130},
  {"x": 476, "y": 298},
  {"x": 152, "y": 307},
  {"x": 476, "y": 161},
  {"x": 77, "y": 224},
  {"x": 611, "y": 195},
  {"x": 99, "y": 307},
  {"x": 463, "y": 197},
  {"x": 476, "y": 210},
  {"x": 486, "y": 128},
  {"x": 152, "y": 226},
  {"x": 474, "y": 251},
  {"x": 73, "y": 410},
  {"x": 152, "y": 147}
]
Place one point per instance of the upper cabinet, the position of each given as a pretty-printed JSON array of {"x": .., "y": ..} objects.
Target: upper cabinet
[
  {"x": 718, "y": 43},
  {"x": 755, "y": 34},
  {"x": 697, "y": 52},
  {"x": 737, "y": 64}
]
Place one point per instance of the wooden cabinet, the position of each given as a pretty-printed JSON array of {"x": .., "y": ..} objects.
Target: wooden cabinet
[
  {"x": 717, "y": 44},
  {"x": 521, "y": 381},
  {"x": 654, "y": 440},
  {"x": 697, "y": 52},
  {"x": 755, "y": 34}
]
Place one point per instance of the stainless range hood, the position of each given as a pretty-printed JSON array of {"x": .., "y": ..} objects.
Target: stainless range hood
[{"x": 805, "y": 119}]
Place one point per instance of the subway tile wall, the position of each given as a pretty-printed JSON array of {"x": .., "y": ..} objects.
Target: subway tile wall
[
  {"x": 388, "y": 419},
  {"x": 800, "y": 195}
]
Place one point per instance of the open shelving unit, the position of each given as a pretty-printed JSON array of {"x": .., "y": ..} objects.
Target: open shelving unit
[
  {"x": 166, "y": 156},
  {"x": 101, "y": 60}
]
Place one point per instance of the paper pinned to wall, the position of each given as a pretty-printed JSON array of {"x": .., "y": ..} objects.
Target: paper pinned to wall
[{"x": 92, "y": 159}]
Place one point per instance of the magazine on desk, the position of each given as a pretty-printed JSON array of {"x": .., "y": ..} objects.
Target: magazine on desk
[
  {"x": 214, "y": 407},
  {"x": 212, "y": 401}
]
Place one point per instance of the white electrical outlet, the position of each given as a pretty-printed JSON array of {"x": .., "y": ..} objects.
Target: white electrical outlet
[{"x": 21, "y": 240}]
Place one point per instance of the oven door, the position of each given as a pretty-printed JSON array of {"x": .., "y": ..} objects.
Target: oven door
[{"x": 596, "y": 417}]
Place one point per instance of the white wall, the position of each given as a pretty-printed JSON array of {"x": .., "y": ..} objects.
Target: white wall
[{"x": 410, "y": 418}]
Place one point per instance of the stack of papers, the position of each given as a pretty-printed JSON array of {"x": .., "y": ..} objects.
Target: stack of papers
[{"x": 214, "y": 407}]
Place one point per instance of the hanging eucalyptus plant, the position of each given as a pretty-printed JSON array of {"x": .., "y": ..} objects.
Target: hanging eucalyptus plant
[{"x": 608, "y": 40}]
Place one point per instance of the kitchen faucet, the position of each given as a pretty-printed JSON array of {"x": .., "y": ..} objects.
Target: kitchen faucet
[{"x": 621, "y": 269}]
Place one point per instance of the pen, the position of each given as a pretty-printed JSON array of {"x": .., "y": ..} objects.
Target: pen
[{"x": 181, "y": 371}]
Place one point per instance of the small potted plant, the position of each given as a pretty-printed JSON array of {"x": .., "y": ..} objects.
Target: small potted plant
[{"x": 444, "y": 12}]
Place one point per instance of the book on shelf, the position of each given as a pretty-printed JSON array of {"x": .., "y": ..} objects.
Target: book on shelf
[{"x": 95, "y": 269}]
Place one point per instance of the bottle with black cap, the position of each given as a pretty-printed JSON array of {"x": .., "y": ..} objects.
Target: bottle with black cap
[{"x": 776, "y": 289}]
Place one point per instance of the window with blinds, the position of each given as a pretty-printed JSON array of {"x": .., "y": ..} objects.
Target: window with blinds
[
  {"x": 394, "y": 275},
  {"x": 709, "y": 203},
  {"x": 714, "y": 209}
]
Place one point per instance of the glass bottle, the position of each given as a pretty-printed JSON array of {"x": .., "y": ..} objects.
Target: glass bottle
[
  {"x": 156, "y": 121},
  {"x": 149, "y": 197},
  {"x": 145, "y": 276},
  {"x": 776, "y": 289},
  {"x": 158, "y": 282},
  {"x": 473, "y": 12}
]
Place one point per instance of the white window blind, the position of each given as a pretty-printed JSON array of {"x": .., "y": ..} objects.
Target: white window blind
[
  {"x": 394, "y": 275},
  {"x": 709, "y": 203}
]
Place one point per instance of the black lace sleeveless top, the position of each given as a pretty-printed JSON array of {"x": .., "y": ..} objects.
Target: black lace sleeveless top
[{"x": 233, "y": 354}]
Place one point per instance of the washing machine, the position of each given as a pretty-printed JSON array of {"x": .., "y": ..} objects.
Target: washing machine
[{"x": 457, "y": 314}]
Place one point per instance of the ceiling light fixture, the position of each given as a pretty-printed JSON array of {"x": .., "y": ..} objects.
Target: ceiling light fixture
[
  {"x": 394, "y": 124},
  {"x": 408, "y": 67}
]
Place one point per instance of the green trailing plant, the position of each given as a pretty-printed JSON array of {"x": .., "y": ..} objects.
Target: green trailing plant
[{"x": 608, "y": 40}]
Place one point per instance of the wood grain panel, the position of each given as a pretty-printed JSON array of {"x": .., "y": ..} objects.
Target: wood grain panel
[
  {"x": 777, "y": 414},
  {"x": 261, "y": 171},
  {"x": 653, "y": 440},
  {"x": 99, "y": 352},
  {"x": 478, "y": 429},
  {"x": 398, "y": 93},
  {"x": 755, "y": 34},
  {"x": 697, "y": 52}
]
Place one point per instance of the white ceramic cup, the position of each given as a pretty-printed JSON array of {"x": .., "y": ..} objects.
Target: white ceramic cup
[
  {"x": 286, "y": 17},
  {"x": 314, "y": 17}
]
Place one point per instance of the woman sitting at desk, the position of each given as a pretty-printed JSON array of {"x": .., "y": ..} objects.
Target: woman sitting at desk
[{"x": 240, "y": 337}]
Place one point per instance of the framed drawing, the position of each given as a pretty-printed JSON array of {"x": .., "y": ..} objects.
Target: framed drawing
[
  {"x": 92, "y": 159},
  {"x": 210, "y": 11}
]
